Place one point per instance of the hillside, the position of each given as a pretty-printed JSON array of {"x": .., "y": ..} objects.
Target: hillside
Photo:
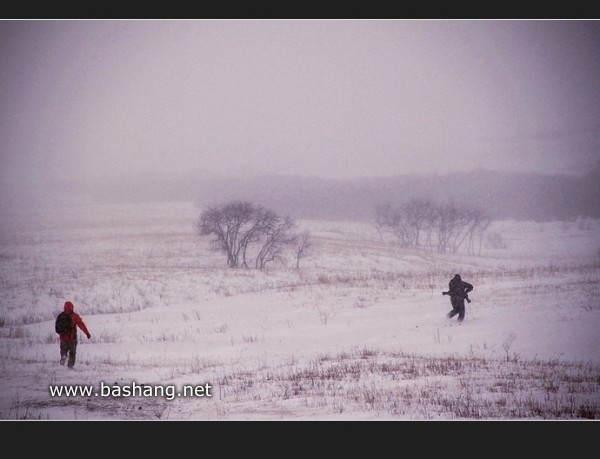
[
  {"x": 502, "y": 195},
  {"x": 359, "y": 332}
]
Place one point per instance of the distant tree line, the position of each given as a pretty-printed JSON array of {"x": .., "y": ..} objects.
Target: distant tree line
[
  {"x": 250, "y": 234},
  {"x": 421, "y": 223}
]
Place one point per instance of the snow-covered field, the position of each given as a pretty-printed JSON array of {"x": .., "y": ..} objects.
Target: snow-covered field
[{"x": 358, "y": 332}]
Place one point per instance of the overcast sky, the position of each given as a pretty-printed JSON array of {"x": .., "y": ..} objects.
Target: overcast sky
[{"x": 327, "y": 98}]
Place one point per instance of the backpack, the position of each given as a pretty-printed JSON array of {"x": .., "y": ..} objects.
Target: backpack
[{"x": 63, "y": 323}]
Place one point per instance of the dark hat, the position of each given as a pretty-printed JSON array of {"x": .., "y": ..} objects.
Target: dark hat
[{"x": 68, "y": 306}]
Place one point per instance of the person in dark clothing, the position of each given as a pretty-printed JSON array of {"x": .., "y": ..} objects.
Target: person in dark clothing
[
  {"x": 458, "y": 290},
  {"x": 68, "y": 341}
]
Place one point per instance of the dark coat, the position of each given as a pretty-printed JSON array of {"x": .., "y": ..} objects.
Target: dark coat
[{"x": 458, "y": 287}]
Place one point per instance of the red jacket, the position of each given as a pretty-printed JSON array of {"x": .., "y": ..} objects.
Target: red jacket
[{"x": 76, "y": 321}]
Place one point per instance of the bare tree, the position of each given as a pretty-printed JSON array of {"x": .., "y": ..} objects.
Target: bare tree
[
  {"x": 482, "y": 225},
  {"x": 451, "y": 225},
  {"x": 394, "y": 221},
  {"x": 231, "y": 225},
  {"x": 383, "y": 218},
  {"x": 417, "y": 213},
  {"x": 277, "y": 233},
  {"x": 263, "y": 220},
  {"x": 225, "y": 223},
  {"x": 303, "y": 247},
  {"x": 238, "y": 224}
]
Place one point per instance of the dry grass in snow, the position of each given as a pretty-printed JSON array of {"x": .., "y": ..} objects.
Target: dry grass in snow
[{"x": 358, "y": 332}]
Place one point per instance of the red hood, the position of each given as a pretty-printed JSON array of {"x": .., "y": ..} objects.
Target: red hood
[{"x": 68, "y": 306}]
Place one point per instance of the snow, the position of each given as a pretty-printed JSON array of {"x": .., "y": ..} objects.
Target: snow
[{"x": 358, "y": 332}]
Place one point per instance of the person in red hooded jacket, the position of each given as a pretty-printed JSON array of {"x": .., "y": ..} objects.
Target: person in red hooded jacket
[{"x": 68, "y": 341}]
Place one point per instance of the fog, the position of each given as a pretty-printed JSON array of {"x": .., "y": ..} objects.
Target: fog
[{"x": 90, "y": 103}]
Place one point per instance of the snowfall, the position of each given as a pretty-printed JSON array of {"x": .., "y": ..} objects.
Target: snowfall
[{"x": 357, "y": 331}]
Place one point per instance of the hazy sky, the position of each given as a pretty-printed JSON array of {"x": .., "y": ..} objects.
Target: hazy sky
[{"x": 329, "y": 98}]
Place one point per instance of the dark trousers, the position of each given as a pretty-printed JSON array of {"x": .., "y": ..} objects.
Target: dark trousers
[
  {"x": 68, "y": 350},
  {"x": 458, "y": 307}
]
